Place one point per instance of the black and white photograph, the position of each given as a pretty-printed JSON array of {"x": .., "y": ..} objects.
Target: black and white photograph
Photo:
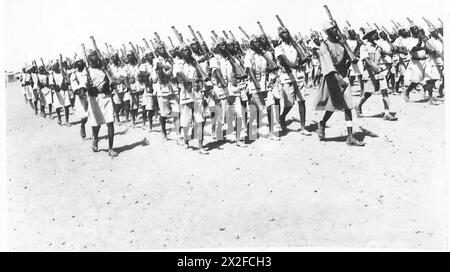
[{"x": 259, "y": 125}]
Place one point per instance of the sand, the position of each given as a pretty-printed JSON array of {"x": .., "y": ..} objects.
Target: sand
[{"x": 298, "y": 192}]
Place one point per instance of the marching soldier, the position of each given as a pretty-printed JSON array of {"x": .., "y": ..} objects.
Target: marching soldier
[
  {"x": 61, "y": 94},
  {"x": 78, "y": 81},
  {"x": 100, "y": 106},
  {"x": 191, "y": 98},
  {"x": 167, "y": 100},
  {"x": 415, "y": 72},
  {"x": 118, "y": 89},
  {"x": 374, "y": 74},
  {"x": 291, "y": 91},
  {"x": 334, "y": 92},
  {"x": 227, "y": 89},
  {"x": 149, "y": 96},
  {"x": 45, "y": 93},
  {"x": 434, "y": 65},
  {"x": 356, "y": 69}
]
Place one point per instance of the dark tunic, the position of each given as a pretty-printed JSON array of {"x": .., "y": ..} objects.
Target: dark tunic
[{"x": 334, "y": 92}]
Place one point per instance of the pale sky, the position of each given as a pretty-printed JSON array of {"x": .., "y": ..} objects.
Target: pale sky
[{"x": 45, "y": 28}]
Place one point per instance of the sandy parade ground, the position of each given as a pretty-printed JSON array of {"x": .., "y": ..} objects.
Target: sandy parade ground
[{"x": 298, "y": 192}]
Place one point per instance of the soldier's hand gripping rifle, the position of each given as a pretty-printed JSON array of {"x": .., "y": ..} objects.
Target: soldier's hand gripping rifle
[
  {"x": 302, "y": 54},
  {"x": 197, "y": 66},
  {"x": 342, "y": 40}
]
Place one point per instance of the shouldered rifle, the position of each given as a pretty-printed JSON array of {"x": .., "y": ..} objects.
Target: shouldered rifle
[
  {"x": 299, "y": 50},
  {"x": 205, "y": 46},
  {"x": 158, "y": 39},
  {"x": 105, "y": 64},
  {"x": 107, "y": 50},
  {"x": 225, "y": 34},
  {"x": 264, "y": 34},
  {"x": 147, "y": 45},
  {"x": 266, "y": 56},
  {"x": 135, "y": 52},
  {"x": 38, "y": 83},
  {"x": 63, "y": 72},
  {"x": 199, "y": 69},
  {"x": 348, "y": 23},
  {"x": 344, "y": 43},
  {"x": 172, "y": 46},
  {"x": 43, "y": 64},
  {"x": 388, "y": 40},
  {"x": 411, "y": 22},
  {"x": 232, "y": 35},
  {"x": 396, "y": 28},
  {"x": 153, "y": 45},
  {"x": 88, "y": 74},
  {"x": 431, "y": 25},
  {"x": 202, "y": 50},
  {"x": 240, "y": 71}
]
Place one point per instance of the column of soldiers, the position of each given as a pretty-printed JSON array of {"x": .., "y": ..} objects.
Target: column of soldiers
[{"x": 231, "y": 85}]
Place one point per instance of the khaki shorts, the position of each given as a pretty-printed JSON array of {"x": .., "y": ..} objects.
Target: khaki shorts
[
  {"x": 191, "y": 111},
  {"x": 235, "y": 107},
  {"x": 373, "y": 85},
  {"x": 291, "y": 93},
  {"x": 168, "y": 105}
]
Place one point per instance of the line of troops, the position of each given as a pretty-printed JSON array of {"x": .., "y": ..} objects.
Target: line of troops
[{"x": 193, "y": 82}]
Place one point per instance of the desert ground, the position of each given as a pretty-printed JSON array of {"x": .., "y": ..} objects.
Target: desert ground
[{"x": 298, "y": 192}]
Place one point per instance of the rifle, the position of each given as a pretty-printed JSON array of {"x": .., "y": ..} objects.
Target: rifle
[
  {"x": 264, "y": 34},
  {"x": 388, "y": 40},
  {"x": 107, "y": 50},
  {"x": 147, "y": 45},
  {"x": 105, "y": 64},
  {"x": 299, "y": 50},
  {"x": 205, "y": 46},
  {"x": 431, "y": 25},
  {"x": 265, "y": 54},
  {"x": 426, "y": 40},
  {"x": 232, "y": 35},
  {"x": 172, "y": 46},
  {"x": 43, "y": 64},
  {"x": 411, "y": 22},
  {"x": 63, "y": 69},
  {"x": 396, "y": 28},
  {"x": 88, "y": 75},
  {"x": 197, "y": 66},
  {"x": 135, "y": 52},
  {"x": 203, "y": 51},
  {"x": 344, "y": 43},
  {"x": 158, "y": 39},
  {"x": 240, "y": 71},
  {"x": 38, "y": 83}
]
